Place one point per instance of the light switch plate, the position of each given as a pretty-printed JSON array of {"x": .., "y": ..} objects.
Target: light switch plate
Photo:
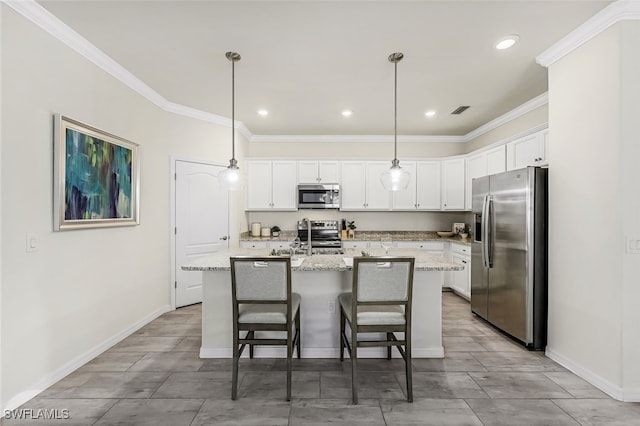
[{"x": 33, "y": 243}]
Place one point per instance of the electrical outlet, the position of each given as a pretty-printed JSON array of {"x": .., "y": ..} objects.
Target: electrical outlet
[
  {"x": 331, "y": 306},
  {"x": 633, "y": 245}
]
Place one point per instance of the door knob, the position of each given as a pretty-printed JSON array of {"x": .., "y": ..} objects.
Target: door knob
[{"x": 224, "y": 238}]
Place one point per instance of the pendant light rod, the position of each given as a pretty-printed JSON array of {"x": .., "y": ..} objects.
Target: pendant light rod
[
  {"x": 233, "y": 57},
  {"x": 395, "y": 58}
]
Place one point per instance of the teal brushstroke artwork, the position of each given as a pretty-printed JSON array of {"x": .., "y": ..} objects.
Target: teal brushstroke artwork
[{"x": 98, "y": 178}]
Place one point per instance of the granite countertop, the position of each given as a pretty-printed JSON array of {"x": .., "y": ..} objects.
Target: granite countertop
[
  {"x": 219, "y": 261},
  {"x": 369, "y": 236}
]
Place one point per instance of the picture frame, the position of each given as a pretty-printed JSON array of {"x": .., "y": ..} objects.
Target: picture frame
[{"x": 96, "y": 177}]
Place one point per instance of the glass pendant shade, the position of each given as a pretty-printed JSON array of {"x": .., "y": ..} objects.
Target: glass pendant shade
[
  {"x": 231, "y": 177},
  {"x": 396, "y": 178}
]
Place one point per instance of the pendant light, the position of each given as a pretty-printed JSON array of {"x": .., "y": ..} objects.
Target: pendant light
[
  {"x": 231, "y": 178},
  {"x": 396, "y": 178}
]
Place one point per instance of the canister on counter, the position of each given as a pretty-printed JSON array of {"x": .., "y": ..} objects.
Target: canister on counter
[{"x": 255, "y": 229}]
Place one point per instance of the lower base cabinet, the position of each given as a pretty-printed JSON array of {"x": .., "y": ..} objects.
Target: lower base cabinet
[{"x": 460, "y": 281}]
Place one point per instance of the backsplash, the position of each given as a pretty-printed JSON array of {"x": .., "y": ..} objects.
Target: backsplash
[{"x": 366, "y": 221}]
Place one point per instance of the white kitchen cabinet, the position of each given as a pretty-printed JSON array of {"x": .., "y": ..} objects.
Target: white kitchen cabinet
[
  {"x": 254, "y": 244},
  {"x": 405, "y": 199},
  {"x": 453, "y": 184},
  {"x": 476, "y": 166},
  {"x": 423, "y": 192},
  {"x": 428, "y": 185},
  {"x": 310, "y": 171},
  {"x": 265, "y": 244},
  {"x": 355, "y": 244},
  {"x": 460, "y": 281},
  {"x": 435, "y": 248},
  {"x": 527, "y": 151},
  {"x": 361, "y": 187},
  {"x": 496, "y": 160},
  {"x": 479, "y": 164},
  {"x": 271, "y": 185}
]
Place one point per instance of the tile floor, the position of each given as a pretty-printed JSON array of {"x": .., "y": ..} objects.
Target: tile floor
[{"x": 155, "y": 377}]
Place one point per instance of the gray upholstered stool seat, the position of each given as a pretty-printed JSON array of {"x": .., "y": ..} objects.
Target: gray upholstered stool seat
[
  {"x": 372, "y": 314},
  {"x": 267, "y": 314}
]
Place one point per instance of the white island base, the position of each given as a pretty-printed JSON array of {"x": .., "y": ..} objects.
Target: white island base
[{"x": 320, "y": 314}]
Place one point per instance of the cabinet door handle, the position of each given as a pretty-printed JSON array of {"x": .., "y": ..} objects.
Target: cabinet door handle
[{"x": 464, "y": 261}]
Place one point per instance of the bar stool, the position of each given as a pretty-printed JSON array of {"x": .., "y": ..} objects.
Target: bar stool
[
  {"x": 380, "y": 302},
  {"x": 263, "y": 301}
]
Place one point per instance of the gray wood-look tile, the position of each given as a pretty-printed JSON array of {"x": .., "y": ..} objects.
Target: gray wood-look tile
[
  {"x": 429, "y": 412},
  {"x": 106, "y": 385},
  {"x": 602, "y": 412},
  {"x": 311, "y": 412},
  {"x": 192, "y": 385},
  {"x": 446, "y": 385},
  {"x": 156, "y": 376},
  {"x": 247, "y": 412},
  {"x": 168, "y": 361},
  {"x": 273, "y": 384},
  {"x": 518, "y": 385},
  {"x": 529, "y": 412},
  {"x": 151, "y": 412}
]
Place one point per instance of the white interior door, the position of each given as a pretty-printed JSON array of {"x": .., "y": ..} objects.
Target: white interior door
[{"x": 202, "y": 223}]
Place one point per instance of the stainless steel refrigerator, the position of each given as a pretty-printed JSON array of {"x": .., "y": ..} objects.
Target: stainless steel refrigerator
[{"x": 509, "y": 253}]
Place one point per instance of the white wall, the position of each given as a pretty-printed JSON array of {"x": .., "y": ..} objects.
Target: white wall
[
  {"x": 82, "y": 287},
  {"x": 630, "y": 206},
  {"x": 594, "y": 203}
]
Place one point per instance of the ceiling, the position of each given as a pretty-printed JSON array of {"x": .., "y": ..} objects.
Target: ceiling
[{"x": 307, "y": 61}]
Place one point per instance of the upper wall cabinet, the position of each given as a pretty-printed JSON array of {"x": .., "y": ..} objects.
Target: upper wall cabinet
[
  {"x": 310, "y": 171},
  {"x": 482, "y": 163},
  {"x": 527, "y": 151},
  {"x": 424, "y": 188},
  {"x": 361, "y": 187},
  {"x": 453, "y": 184},
  {"x": 271, "y": 185}
]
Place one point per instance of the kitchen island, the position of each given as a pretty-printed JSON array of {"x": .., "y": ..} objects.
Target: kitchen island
[{"x": 319, "y": 279}]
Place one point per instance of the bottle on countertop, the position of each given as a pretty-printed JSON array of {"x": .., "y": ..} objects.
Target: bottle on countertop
[{"x": 343, "y": 229}]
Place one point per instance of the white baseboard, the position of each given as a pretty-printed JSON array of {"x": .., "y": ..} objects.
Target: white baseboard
[
  {"x": 19, "y": 399},
  {"x": 280, "y": 352},
  {"x": 616, "y": 392}
]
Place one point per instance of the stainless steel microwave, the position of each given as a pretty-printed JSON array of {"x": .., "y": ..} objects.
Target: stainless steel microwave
[{"x": 325, "y": 196}]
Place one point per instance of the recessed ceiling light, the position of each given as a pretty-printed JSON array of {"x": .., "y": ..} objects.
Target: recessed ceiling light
[
  {"x": 430, "y": 113},
  {"x": 347, "y": 113},
  {"x": 263, "y": 112},
  {"x": 507, "y": 42}
]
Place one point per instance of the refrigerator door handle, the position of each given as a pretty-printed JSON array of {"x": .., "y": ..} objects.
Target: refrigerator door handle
[
  {"x": 484, "y": 231},
  {"x": 489, "y": 228}
]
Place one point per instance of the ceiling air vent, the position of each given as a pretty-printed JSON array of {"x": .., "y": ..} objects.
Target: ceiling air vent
[{"x": 460, "y": 109}]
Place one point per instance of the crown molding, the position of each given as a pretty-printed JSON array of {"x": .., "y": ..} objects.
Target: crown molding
[
  {"x": 41, "y": 17},
  {"x": 615, "y": 12},
  {"x": 518, "y": 111},
  {"x": 354, "y": 139}
]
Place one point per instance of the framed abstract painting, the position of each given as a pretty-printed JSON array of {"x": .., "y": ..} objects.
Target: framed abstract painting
[{"x": 96, "y": 177}]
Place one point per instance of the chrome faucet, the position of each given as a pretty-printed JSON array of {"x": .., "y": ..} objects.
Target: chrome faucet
[{"x": 308, "y": 235}]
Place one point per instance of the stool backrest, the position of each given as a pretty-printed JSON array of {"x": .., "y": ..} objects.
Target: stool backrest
[
  {"x": 383, "y": 279},
  {"x": 260, "y": 279}
]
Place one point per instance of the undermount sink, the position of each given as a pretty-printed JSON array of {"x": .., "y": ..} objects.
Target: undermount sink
[
  {"x": 327, "y": 251},
  {"x": 296, "y": 261}
]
